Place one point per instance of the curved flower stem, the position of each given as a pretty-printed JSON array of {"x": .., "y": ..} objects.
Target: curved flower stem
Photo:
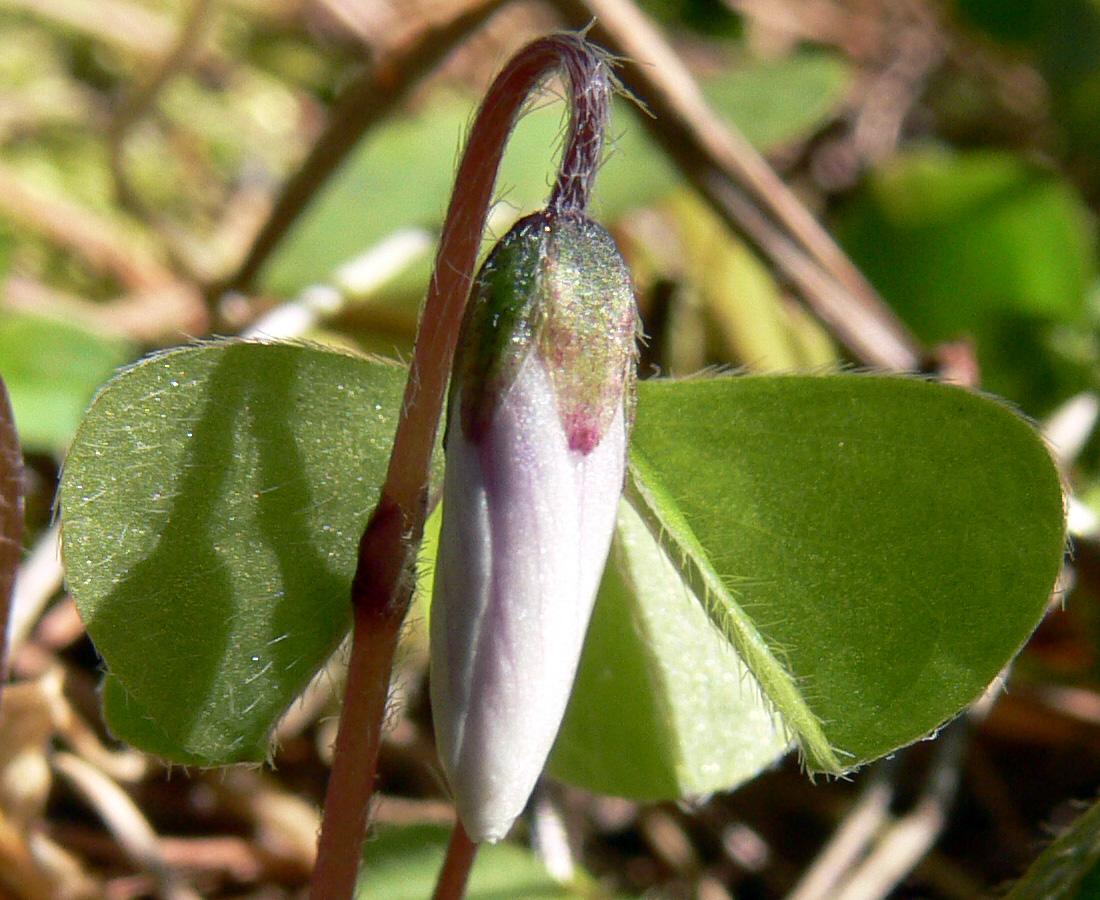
[
  {"x": 11, "y": 519},
  {"x": 384, "y": 581},
  {"x": 407, "y": 477}
]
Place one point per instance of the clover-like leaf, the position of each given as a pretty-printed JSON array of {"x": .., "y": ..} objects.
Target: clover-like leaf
[{"x": 212, "y": 504}]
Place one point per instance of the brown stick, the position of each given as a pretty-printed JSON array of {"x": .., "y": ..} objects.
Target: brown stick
[
  {"x": 129, "y": 26},
  {"x": 84, "y": 232},
  {"x": 137, "y": 106},
  {"x": 743, "y": 188},
  {"x": 370, "y": 97}
]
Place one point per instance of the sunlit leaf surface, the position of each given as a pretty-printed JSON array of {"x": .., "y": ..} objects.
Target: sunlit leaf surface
[
  {"x": 846, "y": 561},
  {"x": 661, "y": 686},
  {"x": 876, "y": 548},
  {"x": 212, "y": 505}
]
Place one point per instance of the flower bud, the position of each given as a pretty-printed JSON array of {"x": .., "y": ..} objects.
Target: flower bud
[{"x": 539, "y": 412}]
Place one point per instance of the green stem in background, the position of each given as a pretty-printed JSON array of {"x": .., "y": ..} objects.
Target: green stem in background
[{"x": 384, "y": 580}]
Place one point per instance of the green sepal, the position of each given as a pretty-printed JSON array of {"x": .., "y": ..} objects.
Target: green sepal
[{"x": 555, "y": 282}]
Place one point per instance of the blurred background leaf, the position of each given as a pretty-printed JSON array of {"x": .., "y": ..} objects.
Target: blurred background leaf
[
  {"x": 985, "y": 246},
  {"x": 52, "y": 369},
  {"x": 402, "y": 863},
  {"x": 369, "y": 197}
]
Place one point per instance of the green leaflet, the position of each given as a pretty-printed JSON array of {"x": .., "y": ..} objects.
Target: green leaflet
[
  {"x": 880, "y": 547},
  {"x": 869, "y": 552},
  {"x": 212, "y": 504}
]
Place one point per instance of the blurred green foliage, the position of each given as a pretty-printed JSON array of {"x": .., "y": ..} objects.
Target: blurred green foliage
[
  {"x": 986, "y": 246},
  {"x": 402, "y": 863},
  {"x": 1062, "y": 38}
]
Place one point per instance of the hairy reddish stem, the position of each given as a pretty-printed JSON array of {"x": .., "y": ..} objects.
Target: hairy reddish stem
[
  {"x": 384, "y": 580},
  {"x": 355, "y": 757}
]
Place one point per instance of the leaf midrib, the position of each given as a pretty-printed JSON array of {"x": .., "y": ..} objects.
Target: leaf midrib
[{"x": 672, "y": 531}]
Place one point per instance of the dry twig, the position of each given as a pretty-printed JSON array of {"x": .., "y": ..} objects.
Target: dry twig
[
  {"x": 82, "y": 231},
  {"x": 744, "y": 189},
  {"x": 129, "y": 26},
  {"x": 184, "y": 47}
]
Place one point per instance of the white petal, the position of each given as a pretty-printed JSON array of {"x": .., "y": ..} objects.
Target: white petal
[{"x": 527, "y": 525}]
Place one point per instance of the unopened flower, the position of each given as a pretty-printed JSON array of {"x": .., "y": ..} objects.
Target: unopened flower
[{"x": 539, "y": 413}]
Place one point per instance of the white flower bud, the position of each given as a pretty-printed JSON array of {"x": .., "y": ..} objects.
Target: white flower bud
[{"x": 536, "y": 448}]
